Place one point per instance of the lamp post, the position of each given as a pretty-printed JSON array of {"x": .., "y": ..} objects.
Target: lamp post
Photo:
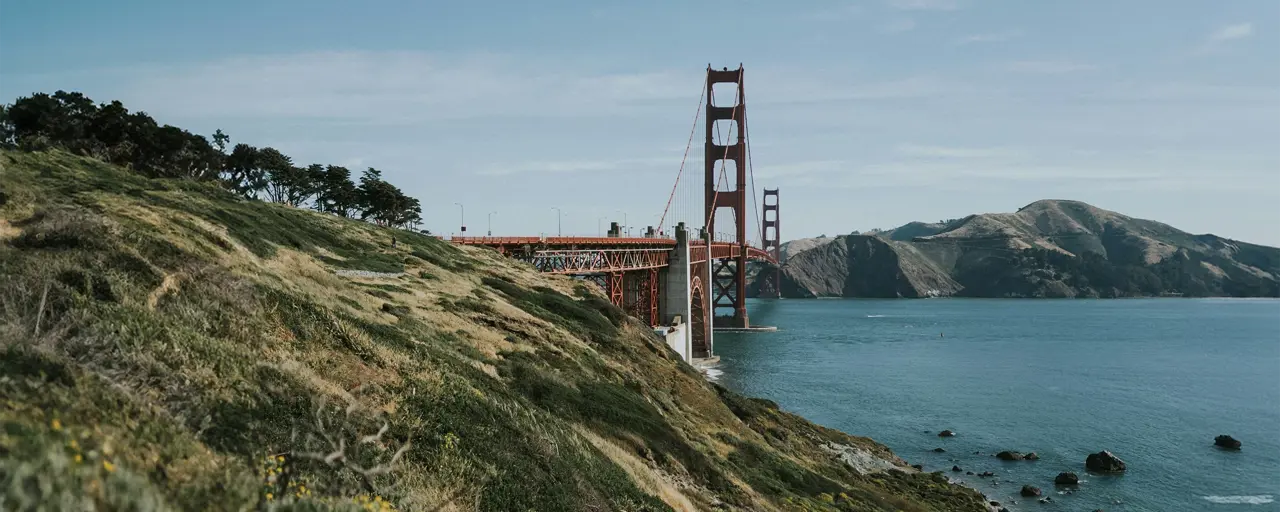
[
  {"x": 463, "y": 217},
  {"x": 598, "y": 219},
  {"x": 558, "y": 212},
  {"x": 490, "y": 223},
  {"x": 625, "y": 227}
]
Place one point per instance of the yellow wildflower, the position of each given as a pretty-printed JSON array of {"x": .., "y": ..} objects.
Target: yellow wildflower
[
  {"x": 78, "y": 458},
  {"x": 55, "y": 425},
  {"x": 107, "y": 465},
  {"x": 280, "y": 458},
  {"x": 270, "y": 496}
]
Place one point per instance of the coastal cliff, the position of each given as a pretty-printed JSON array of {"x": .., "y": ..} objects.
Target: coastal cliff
[
  {"x": 1049, "y": 248},
  {"x": 170, "y": 345}
]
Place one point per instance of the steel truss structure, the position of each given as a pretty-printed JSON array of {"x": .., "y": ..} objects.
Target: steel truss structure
[{"x": 588, "y": 261}]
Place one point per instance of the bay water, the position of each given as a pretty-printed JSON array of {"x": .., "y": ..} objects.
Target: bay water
[{"x": 1151, "y": 380}]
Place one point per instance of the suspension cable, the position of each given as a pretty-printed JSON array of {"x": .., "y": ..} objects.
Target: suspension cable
[{"x": 687, "y": 146}]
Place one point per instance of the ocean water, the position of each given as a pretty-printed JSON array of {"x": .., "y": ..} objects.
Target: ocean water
[{"x": 1153, "y": 381}]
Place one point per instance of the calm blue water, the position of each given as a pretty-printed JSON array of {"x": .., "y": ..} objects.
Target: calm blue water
[{"x": 1153, "y": 381}]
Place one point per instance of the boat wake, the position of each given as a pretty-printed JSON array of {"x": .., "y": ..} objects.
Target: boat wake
[{"x": 1260, "y": 499}]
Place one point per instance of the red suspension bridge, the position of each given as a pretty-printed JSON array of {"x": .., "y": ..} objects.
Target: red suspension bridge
[{"x": 690, "y": 282}]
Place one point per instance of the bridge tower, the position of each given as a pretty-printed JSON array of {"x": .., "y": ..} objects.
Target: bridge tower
[
  {"x": 769, "y": 225},
  {"x": 729, "y": 275}
]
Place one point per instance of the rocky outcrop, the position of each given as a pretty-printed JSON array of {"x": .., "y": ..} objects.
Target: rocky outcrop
[
  {"x": 880, "y": 268},
  {"x": 1007, "y": 455},
  {"x": 1104, "y": 462},
  {"x": 1050, "y": 248},
  {"x": 1066, "y": 478},
  {"x": 1228, "y": 442},
  {"x": 946, "y": 433},
  {"x": 800, "y": 245},
  {"x": 1030, "y": 491}
]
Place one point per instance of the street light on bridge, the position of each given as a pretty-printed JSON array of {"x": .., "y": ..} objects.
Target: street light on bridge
[
  {"x": 463, "y": 214},
  {"x": 598, "y": 219},
  {"x": 490, "y": 233},
  {"x": 558, "y": 213},
  {"x": 625, "y": 228}
]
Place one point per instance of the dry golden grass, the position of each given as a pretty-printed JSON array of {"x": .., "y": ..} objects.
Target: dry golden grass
[
  {"x": 649, "y": 478},
  {"x": 7, "y": 230}
]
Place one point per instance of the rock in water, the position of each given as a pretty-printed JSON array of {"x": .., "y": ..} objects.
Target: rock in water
[
  {"x": 1008, "y": 455},
  {"x": 1031, "y": 456},
  {"x": 956, "y": 469},
  {"x": 1067, "y": 478},
  {"x": 1030, "y": 490},
  {"x": 1105, "y": 462},
  {"x": 946, "y": 433},
  {"x": 939, "y": 450},
  {"x": 1226, "y": 441}
]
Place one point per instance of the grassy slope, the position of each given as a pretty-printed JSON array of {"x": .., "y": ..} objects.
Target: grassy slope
[{"x": 195, "y": 351}]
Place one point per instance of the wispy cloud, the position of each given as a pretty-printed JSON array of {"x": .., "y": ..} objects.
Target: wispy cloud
[
  {"x": 963, "y": 175},
  {"x": 925, "y": 5},
  {"x": 1222, "y": 35},
  {"x": 580, "y": 166},
  {"x": 807, "y": 168},
  {"x": 990, "y": 37},
  {"x": 899, "y": 26},
  {"x": 1238, "y": 31},
  {"x": 923, "y": 151},
  {"x": 390, "y": 87},
  {"x": 823, "y": 90},
  {"x": 833, "y": 13},
  {"x": 1048, "y": 67}
]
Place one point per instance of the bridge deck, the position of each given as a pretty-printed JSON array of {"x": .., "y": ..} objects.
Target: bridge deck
[
  {"x": 562, "y": 241},
  {"x": 577, "y": 254}
]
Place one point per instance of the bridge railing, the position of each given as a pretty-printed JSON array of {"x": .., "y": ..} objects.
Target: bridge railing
[{"x": 560, "y": 240}]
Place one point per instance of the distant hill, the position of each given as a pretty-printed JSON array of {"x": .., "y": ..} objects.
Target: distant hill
[{"x": 1049, "y": 248}]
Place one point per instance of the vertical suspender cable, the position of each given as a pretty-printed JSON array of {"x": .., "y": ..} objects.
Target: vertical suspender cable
[{"x": 687, "y": 146}]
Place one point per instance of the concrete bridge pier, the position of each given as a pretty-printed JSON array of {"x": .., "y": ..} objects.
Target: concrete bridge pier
[{"x": 676, "y": 303}]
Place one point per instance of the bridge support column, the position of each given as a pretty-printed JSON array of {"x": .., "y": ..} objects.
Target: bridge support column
[
  {"x": 676, "y": 297},
  {"x": 616, "y": 289},
  {"x": 728, "y": 289},
  {"x": 772, "y": 243}
]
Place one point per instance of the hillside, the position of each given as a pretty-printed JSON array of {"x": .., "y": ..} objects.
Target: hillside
[
  {"x": 169, "y": 345},
  {"x": 786, "y": 249},
  {"x": 1049, "y": 248}
]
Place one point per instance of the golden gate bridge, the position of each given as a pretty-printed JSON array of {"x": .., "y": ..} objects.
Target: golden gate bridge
[{"x": 687, "y": 283}]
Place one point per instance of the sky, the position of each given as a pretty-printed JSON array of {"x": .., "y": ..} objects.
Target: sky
[{"x": 563, "y": 116}]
